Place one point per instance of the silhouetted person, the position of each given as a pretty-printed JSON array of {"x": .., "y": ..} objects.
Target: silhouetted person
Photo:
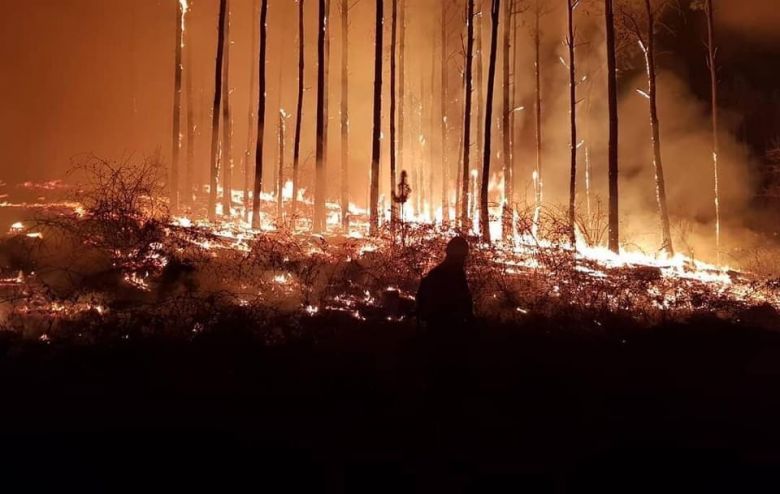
[{"x": 444, "y": 300}]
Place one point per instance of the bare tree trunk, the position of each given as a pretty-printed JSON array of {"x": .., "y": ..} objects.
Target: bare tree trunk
[
  {"x": 464, "y": 211},
  {"x": 712, "y": 52},
  {"x": 614, "y": 220},
  {"x": 375, "y": 144},
  {"x": 538, "y": 179},
  {"x": 506, "y": 219},
  {"x": 570, "y": 42},
  {"x": 189, "y": 177},
  {"x": 393, "y": 136},
  {"x": 258, "y": 187},
  {"x": 216, "y": 111},
  {"x": 298, "y": 113},
  {"x": 431, "y": 132},
  {"x": 326, "y": 118},
  {"x": 227, "y": 127},
  {"x": 484, "y": 219},
  {"x": 280, "y": 171},
  {"x": 319, "y": 186},
  {"x": 445, "y": 97},
  {"x": 480, "y": 86},
  {"x": 174, "y": 180},
  {"x": 250, "y": 114},
  {"x": 345, "y": 114},
  {"x": 660, "y": 184},
  {"x": 401, "y": 85}
]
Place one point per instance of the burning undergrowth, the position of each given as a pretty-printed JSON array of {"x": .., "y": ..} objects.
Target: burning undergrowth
[{"x": 116, "y": 265}]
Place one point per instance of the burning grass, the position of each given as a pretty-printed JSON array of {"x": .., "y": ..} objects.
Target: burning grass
[{"x": 116, "y": 264}]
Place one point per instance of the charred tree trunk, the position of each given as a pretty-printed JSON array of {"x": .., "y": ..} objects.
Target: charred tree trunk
[
  {"x": 323, "y": 178},
  {"x": 189, "y": 176},
  {"x": 712, "y": 52},
  {"x": 375, "y": 141},
  {"x": 227, "y": 127},
  {"x": 174, "y": 181},
  {"x": 538, "y": 179},
  {"x": 319, "y": 185},
  {"x": 464, "y": 207},
  {"x": 660, "y": 184},
  {"x": 480, "y": 84},
  {"x": 445, "y": 97},
  {"x": 258, "y": 186},
  {"x": 345, "y": 114},
  {"x": 393, "y": 136},
  {"x": 570, "y": 42},
  {"x": 298, "y": 112},
  {"x": 214, "y": 172},
  {"x": 506, "y": 213},
  {"x": 250, "y": 114},
  {"x": 484, "y": 219},
  {"x": 614, "y": 225}
]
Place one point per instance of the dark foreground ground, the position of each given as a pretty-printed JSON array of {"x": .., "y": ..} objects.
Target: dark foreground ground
[{"x": 683, "y": 408}]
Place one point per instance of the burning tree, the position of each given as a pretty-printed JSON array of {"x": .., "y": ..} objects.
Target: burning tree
[
  {"x": 712, "y": 64},
  {"x": 377, "y": 129},
  {"x": 319, "y": 181},
  {"x": 464, "y": 196},
  {"x": 612, "y": 99},
  {"x": 484, "y": 221},
  {"x": 571, "y": 6},
  {"x": 258, "y": 186},
  {"x": 219, "y": 69},
  {"x": 181, "y": 10},
  {"x": 645, "y": 35},
  {"x": 227, "y": 127},
  {"x": 393, "y": 136},
  {"x": 298, "y": 111},
  {"x": 344, "y": 113}
]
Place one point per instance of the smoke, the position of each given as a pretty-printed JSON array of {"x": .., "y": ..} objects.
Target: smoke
[
  {"x": 686, "y": 140},
  {"x": 756, "y": 20}
]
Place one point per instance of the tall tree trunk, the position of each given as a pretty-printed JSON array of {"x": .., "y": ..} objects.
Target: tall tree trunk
[
  {"x": 227, "y": 127},
  {"x": 401, "y": 85},
  {"x": 375, "y": 144},
  {"x": 250, "y": 114},
  {"x": 614, "y": 225},
  {"x": 506, "y": 220},
  {"x": 298, "y": 114},
  {"x": 660, "y": 184},
  {"x": 319, "y": 185},
  {"x": 216, "y": 108},
  {"x": 484, "y": 219},
  {"x": 258, "y": 186},
  {"x": 326, "y": 118},
  {"x": 445, "y": 98},
  {"x": 712, "y": 53},
  {"x": 393, "y": 135},
  {"x": 431, "y": 127},
  {"x": 538, "y": 178},
  {"x": 345, "y": 114},
  {"x": 480, "y": 85},
  {"x": 280, "y": 171},
  {"x": 464, "y": 206},
  {"x": 189, "y": 176},
  {"x": 570, "y": 42},
  {"x": 174, "y": 179}
]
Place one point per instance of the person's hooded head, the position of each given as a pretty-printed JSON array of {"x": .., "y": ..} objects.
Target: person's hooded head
[{"x": 457, "y": 250}]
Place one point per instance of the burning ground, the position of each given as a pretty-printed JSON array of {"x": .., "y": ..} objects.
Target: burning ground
[{"x": 105, "y": 259}]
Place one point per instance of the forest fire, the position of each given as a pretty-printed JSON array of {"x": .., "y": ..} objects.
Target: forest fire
[
  {"x": 390, "y": 245},
  {"x": 179, "y": 263}
]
